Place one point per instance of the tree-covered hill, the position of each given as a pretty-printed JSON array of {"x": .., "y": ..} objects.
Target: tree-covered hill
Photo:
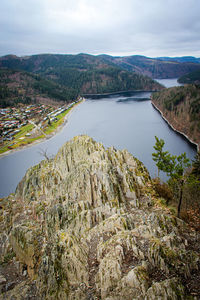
[
  {"x": 102, "y": 80},
  {"x": 64, "y": 77},
  {"x": 23, "y": 87},
  {"x": 181, "y": 107},
  {"x": 154, "y": 67},
  {"x": 43, "y": 63},
  {"x": 182, "y": 59},
  {"x": 193, "y": 77},
  {"x": 77, "y": 74}
]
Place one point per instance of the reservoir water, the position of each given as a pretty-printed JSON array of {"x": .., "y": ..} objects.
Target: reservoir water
[
  {"x": 123, "y": 121},
  {"x": 169, "y": 82}
]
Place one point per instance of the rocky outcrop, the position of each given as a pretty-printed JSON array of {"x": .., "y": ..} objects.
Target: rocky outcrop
[{"x": 87, "y": 225}]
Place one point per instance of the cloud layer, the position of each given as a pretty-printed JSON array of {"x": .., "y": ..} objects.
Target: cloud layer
[{"x": 116, "y": 27}]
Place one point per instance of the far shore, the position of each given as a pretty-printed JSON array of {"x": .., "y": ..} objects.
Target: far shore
[
  {"x": 116, "y": 93},
  {"x": 58, "y": 129},
  {"x": 180, "y": 132}
]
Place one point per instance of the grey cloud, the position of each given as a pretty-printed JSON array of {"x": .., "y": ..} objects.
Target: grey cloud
[{"x": 152, "y": 28}]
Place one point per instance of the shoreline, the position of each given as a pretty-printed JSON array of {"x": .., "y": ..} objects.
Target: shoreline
[
  {"x": 180, "y": 132},
  {"x": 57, "y": 130},
  {"x": 116, "y": 93}
]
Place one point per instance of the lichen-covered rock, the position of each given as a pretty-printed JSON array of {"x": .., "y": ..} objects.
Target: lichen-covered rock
[{"x": 84, "y": 226}]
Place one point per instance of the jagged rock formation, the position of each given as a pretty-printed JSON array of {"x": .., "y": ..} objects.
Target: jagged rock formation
[{"x": 85, "y": 225}]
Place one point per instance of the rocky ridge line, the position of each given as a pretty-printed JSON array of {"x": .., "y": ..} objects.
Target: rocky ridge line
[{"x": 86, "y": 225}]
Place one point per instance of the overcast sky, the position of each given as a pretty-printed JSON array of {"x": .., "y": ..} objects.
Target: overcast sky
[{"x": 116, "y": 27}]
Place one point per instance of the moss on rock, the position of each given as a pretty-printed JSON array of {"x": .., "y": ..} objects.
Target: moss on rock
[{"x": 85, "y": 226}]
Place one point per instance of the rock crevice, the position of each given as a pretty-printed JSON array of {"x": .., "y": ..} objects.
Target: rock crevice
[{"x": 85, "y": 226}]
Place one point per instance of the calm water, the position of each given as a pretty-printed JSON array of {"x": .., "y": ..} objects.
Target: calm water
[
  {"x": 169, "y": 82},
  {"x": 124, "y": 121}
]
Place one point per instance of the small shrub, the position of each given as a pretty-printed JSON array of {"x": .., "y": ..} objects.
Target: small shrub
[
  {"x": 192, "y": 217},
  {"x": 8, "y": 257},
  {"x": 163, "y": 190}
]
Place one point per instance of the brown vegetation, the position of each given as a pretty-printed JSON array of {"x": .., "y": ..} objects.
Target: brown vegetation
[{"x": 181, "y": 107}]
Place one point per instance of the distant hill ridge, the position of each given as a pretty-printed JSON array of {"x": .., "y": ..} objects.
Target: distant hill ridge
[
  {"x": 77, "y": 74},
  {"x": 65, "y": 76},
  {"x": 182, "y": 59},
  {"x": 161, "y": 67},
  {"x": 158, "y": 68}
]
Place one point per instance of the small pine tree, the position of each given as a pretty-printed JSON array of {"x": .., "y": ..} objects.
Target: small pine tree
[
  {"x": 174, "y": 166},
  {"x": 196, "y": 166}
]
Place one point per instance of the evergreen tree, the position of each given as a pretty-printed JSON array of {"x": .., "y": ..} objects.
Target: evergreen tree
[
  {"x": 174, "y": 166},
  {"x": 196, "y": 166}
]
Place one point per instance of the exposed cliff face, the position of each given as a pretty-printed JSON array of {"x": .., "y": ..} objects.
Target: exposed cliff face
[
  {"x": 181, "y": 108},
  {"x": 85, "y": 225}
]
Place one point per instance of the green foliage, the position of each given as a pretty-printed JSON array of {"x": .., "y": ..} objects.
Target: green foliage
[
  {"x": 4, "y": 92},
  {"x": 7, "y": 258},
  {"x": 26, "y": 87},
  {"x": 195, "y": 109},
  {"x": 64, "y": 77},
  {"x": 162, "y": 158},
  {"x": 100, "y": 80},
  {"x": 192, "y": 77},
  {"x": 171, "y": 97},
  {"x": 53, "y": 90},
  {"x": 191, "y": 196},
  {"x": 174, "y": 166},
  {"x": 163, "y": 190},
  {"x": 174, "y": 100},
  {"x": 196, "y": 166},
  {"x": 184, "y": 103}
]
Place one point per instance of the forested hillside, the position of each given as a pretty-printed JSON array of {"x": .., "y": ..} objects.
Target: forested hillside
[
  {"x": 181, "y": 107},
  {"x": 154, "y": 67},
  {"x": 182, "y": 59},
  {"x": 102, "y": 80},
  {"x": 64, "y": 77},
  {"x": 23, "y": 87},
  {"x": 193, "y": 77}
]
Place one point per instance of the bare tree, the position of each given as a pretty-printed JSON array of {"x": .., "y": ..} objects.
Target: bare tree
[{"x": 43, "y": 152}]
